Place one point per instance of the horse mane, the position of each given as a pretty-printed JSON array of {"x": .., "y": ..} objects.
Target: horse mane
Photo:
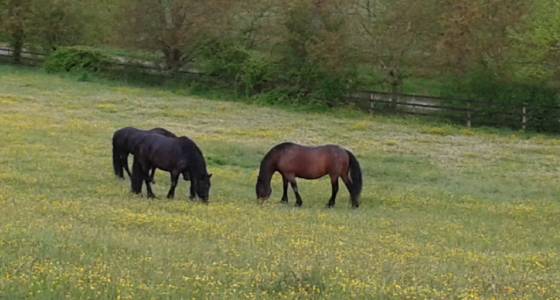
[
  {"x": 263, "y": 169},
  {"x": 190, "y": 147}
]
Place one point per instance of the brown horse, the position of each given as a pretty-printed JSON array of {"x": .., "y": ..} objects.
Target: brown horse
[{"x": 293, "y": 160}]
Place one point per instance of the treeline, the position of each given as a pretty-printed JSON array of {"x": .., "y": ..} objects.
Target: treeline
[{"x": 500, "y": 50}]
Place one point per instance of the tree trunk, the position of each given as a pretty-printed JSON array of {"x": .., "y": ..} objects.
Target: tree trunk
[
  {"x": 173, "y": 59},
  {"x": 17, "y": 45},
  {"x": 395, "y": 80}
]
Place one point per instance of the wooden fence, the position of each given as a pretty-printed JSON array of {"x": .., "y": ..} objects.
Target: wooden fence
[
  {"x": 468, "y": 112},
  {"x": 28, "y": 57}
]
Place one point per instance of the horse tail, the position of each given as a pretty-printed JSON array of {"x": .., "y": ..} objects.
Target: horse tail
[
  {"x": 137, "y": 177},
  {"x": 117, "y": 162},
  {"x": 355, "y": 184}
]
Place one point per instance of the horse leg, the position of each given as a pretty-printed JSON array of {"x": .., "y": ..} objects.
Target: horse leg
[
  {"x": 174, "y": 179},
  {"x": 137, "y": 177},
  {"x": 192, "y": 195},
  {"x": 152, "y": 175},
  {"x": 149, "y": 187},
  {"x": 299, "y": 202},
  {"x": 334, "y": 184},
  {"x": 146, "y": 174},
  {"x": 124, "y": 162},
  {"x": 285, "y": 187}
]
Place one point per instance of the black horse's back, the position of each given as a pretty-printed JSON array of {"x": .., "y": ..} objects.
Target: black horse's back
[
  {"x": 163, "y": 131},
  {"x": 125, "y": 141}
]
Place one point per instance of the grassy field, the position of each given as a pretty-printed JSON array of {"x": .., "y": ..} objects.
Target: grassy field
[{"x": 446, "y": 212}]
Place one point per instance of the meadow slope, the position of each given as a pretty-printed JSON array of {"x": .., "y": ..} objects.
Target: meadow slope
[{"x": 446, "y": 212}]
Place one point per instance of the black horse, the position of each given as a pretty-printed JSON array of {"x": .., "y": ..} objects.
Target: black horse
[
  {"x": 174, "y": 155},
  {"x": 125, "y": 140}
]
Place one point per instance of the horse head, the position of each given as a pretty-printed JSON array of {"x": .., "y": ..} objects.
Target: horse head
[
  {"x": 202, "y": 186},
  {"x": 263, "y": 189}
]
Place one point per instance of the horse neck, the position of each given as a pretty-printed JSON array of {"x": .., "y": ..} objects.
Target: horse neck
[
  {"x": 196, "y": 164},
  {"x": 266, "y": 170}
]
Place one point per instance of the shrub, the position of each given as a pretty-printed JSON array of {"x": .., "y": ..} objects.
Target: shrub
[
  {"x": 257, "y": 74},
  {"x": 499, "y": 101},
  {"x": 223, "y": 59},
  {"x": 247, "y": 71},
  {"x": 77, "y": 59}
]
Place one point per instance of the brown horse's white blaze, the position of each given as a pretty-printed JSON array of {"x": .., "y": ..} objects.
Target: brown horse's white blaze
[{"x": 295, "y": 161}]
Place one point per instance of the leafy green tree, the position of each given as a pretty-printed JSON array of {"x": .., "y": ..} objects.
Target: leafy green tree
[
  {"x": 396, "y": 37},
  {"x": 176, "y": 28},
  {"x": 315, "y": 55},
  {"x": 57, "y": 23},
  {"x": 15, "y": 17},
  {"x": 538, "y": 44},
  {"x": 477, "y": 33},
  {"x": 256, "y": 22}
]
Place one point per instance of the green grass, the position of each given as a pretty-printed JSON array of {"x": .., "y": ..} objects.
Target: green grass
[{"x": 447, "y": 212}]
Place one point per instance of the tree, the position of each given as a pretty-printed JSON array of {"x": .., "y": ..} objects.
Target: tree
[
  {"x": 538, "y": 43},
  {"x": 395, "y": 37},
  {"x": 315, "y": 54},
  {"x": 477, "y": 33},
  {"x": 15, "y": 16},
  {"x": 57, "y": 23},
  {"x": 255, "y": 22},
  {"x": 175, "y": 28}
]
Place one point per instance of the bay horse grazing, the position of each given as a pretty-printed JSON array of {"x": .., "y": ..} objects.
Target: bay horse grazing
[
  {"x": 174, "y": 155},
  {"x": 125, "y": 140},
  {"x": 293, "y": 160}
]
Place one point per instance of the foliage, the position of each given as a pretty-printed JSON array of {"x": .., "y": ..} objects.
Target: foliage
[
  {"x": 72, "y": 59},
  {"x": 315, "y": 60},
  {"x": 537, "y": 45},
  {"x": 477, "y": 34},
  {"x": 174, "y": 28},
  {"x": 224, "y": 59},
  {"x": 500, "y": 96},
  {"x": 57, "y": 23},
  {"x": 15, "y": 16},
  {"x": 245, "y": 70},
  {"x": 398, "y": 38}
]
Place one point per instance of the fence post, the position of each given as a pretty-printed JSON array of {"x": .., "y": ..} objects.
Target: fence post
[
  {"x": 469, "y": 124},
  {"x": 371, "y": 103},
  {"x": 524, "y": 117}
]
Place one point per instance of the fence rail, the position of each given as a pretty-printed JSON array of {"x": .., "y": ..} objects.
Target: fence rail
[{"x": 466, "y": 111}]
